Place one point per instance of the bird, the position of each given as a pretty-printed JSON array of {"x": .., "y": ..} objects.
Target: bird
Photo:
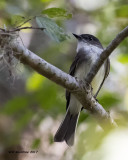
[{"x": 88, "y": 51}]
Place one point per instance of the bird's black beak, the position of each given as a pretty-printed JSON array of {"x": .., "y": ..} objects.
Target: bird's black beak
[{"x": 77, "y": 36}]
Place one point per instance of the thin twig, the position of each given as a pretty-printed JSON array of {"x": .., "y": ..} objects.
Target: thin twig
[
  {"x": 6, "y": 33},
  {"x": 19, "y": 29},
  {"x": 25, "y": 22},
  {"x": 2, "y": 29}
]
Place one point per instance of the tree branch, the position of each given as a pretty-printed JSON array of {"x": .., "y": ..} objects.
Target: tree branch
[
  {"x": 82, "y": 90},
  {"x": 44, "y": 68}
]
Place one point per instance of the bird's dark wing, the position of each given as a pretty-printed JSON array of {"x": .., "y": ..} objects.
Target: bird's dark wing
[
  {"x": 80, "y": 57},
  {"x": 107, "y": 70}
]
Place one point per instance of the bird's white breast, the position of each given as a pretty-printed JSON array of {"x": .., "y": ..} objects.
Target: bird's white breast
[{"x": 93, "y": 53}]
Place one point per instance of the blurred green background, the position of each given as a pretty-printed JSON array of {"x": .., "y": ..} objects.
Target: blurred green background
[{"x": 32, "y": 107}]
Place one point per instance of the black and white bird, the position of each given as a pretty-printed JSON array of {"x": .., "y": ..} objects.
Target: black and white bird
[{"x": 89, "y": 49}]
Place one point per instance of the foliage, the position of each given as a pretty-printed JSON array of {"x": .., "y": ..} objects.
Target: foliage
[
  {"x": 57, "y": 12},
  {"x": 109, "y": 99},
  {"x": 17, "y": 20},
  {"x": 52, "y": 29},
  {"x": 33, "y": 106},
  {"x": 122, "y": 11}
]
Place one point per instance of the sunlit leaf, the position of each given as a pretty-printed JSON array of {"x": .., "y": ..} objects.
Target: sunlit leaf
[
  {"x": 34, "y": 82},
  {"x": 122, "y": 11},
  {"x": 52, "y": 29},
  {"x": 26, "y": 30},
  {"x": 17, "y": 19},
  {"x": 123, "y": 58},
  {"x": 45, "y": 1},
  {"x": 2, "y": 4},
  {"x": 57, "y": 12},
  {"x": 46, "y": 97}
]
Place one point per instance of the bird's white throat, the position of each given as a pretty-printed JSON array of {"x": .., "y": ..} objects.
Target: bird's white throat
[{"x": 88, "y": 47}]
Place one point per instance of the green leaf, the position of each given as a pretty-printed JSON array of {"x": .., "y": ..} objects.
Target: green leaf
[
  {"x": 15, "y": 105},
  {"x": 57, "y": 12},
  {"x": 109, "y": 99},
  {"x": 52, "y": 29},
  {"x": 46, "y": 97},
  {"x": 123, "y": 58},
  {"x": 2, "y": 4},
  {"x": 17, "y": 19},
  {"x": 122, "y": 11},
  {"x": 45, "y": 1},
  {"x": 34, "y": 82}
]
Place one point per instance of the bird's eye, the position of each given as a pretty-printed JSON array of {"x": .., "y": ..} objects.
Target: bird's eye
[{"x": 90, "y": 38}]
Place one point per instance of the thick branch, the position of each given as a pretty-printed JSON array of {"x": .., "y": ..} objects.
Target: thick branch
[
  {"x": 106, "y": 53},
  {"x": 44, "y": 68},
  {"x": 80, "y": 90}
]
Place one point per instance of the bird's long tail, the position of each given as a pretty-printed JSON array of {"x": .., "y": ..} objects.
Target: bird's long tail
[{"x": 66, "y": 131}]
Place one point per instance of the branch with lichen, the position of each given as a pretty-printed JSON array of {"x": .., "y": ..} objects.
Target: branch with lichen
[{"x": 82, "y": 90}]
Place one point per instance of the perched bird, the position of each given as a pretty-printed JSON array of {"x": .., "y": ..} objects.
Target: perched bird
[{"x": 89, "y": 49}]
